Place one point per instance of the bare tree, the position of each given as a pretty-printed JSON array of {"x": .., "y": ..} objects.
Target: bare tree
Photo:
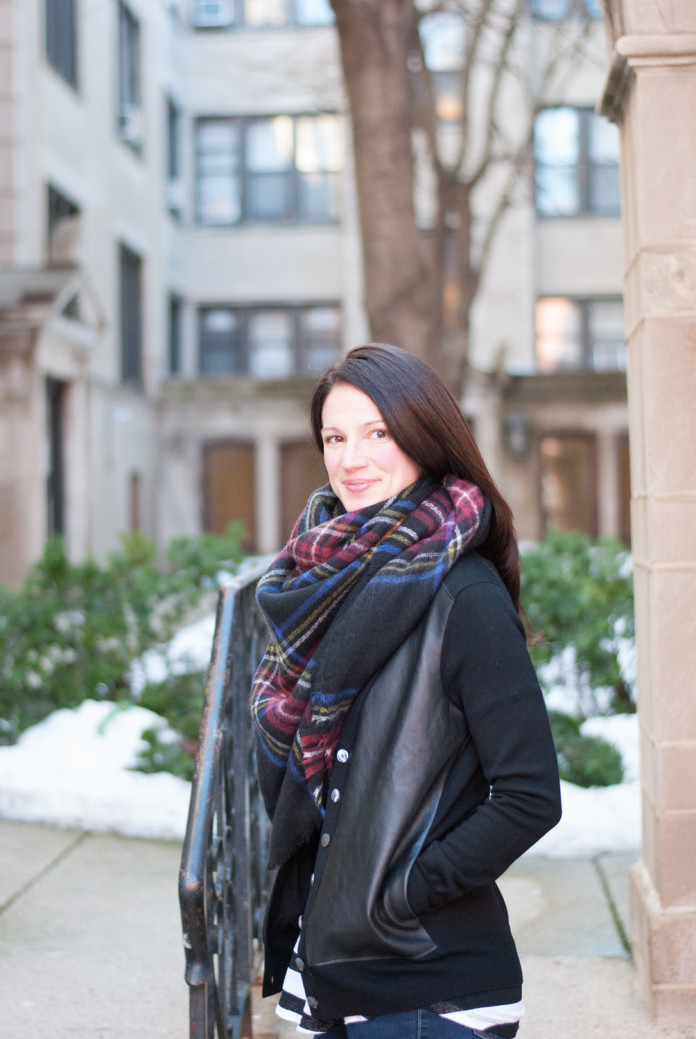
[{"x": 445, "y": 92}]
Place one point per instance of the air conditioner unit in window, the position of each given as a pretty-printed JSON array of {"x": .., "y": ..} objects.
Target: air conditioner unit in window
[
  {"x": 212, "y": 14},
  {"x": 175, "y": 194},
  {"x": 130, "y": 124}
]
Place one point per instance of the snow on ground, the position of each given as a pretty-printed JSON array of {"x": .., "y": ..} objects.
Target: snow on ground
[
  {"x": 189, "y": 650},
  {"x": 76, "y": 769}
]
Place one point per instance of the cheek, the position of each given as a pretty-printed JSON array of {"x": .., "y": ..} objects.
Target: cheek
[
  {"x": 392, "y": 459},
  {"x": 330, "y": 463}
]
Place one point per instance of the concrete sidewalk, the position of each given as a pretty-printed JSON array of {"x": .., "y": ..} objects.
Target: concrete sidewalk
[{"x": 90, "y": 942}]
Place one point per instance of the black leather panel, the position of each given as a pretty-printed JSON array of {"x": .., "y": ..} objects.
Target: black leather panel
[{"x": 385, "y": 805}]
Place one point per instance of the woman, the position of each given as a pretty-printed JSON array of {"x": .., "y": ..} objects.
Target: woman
[{"x": 404, "y": 749}]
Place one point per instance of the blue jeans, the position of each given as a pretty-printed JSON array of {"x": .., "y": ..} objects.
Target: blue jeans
[{"x": 411, "y": 1024}]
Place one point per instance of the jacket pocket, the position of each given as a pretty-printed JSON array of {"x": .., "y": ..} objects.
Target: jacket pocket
[{"x": 392, "y": 914}]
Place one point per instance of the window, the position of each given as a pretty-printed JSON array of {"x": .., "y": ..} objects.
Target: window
[
  {"x": 220, "y": 14},
  {"x": 283, "y": 168},
  {"x": 130, "y": 266},
  {"x": 557, "y": 10},
  {"x": 61, "y": 38},
  {"x": 56, "y": 394},
  {"x": 577, "y": 163},
  {"x": 574, "y": 334},
  {"x": 174, "y": 183},
  {"x": 61, "y": 213},
  {"x": 268, "y": 342},
  {"x": 213, "y": 14},
  {"x": 174, "y": 329},
  {"x": 129, "y": 116}
]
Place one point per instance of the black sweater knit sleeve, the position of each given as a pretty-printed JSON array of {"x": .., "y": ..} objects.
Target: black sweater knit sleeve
[{"x": 487, "y": 671}]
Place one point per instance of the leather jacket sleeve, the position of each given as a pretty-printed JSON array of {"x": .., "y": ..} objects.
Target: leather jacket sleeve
[{"x": 486, "y": 671}]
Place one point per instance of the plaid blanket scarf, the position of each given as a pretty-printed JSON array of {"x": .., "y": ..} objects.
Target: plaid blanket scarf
[{"x": 340, "y": 599}]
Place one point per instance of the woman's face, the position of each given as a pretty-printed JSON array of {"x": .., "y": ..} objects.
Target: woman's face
[{"x": 365, "y": 465}]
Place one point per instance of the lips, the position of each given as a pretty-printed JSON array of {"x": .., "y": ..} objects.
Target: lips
[{"x": 358, "y": 486}]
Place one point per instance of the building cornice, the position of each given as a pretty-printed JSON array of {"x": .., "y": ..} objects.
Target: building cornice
[{"x": 631, "y": 52}]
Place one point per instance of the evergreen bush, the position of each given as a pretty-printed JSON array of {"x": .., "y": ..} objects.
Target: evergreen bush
[
  {"x": 584, "y": 760},
  {"x": 74, "y": 630},
  {"x": 578, "y": 595}
]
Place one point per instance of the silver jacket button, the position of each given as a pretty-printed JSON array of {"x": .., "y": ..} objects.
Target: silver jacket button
[
  {"x": 335, "y": 795},
  {"x": 313, "y": 1002},
  {"x": 342, "y": 755},
  {"x": 325, "y": 840},
  {"x": 299, "y": 963}
]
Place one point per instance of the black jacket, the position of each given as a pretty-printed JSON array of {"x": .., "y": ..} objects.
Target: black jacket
[{"x": 445, "y": 774}]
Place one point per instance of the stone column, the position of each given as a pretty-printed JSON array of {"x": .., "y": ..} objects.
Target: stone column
[{"x": 651, "y": 94}]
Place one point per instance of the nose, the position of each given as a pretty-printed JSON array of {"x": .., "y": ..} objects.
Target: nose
[{"x": 353, "y": 456}]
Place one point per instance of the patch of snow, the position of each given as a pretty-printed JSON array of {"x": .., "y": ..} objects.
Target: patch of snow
[
  {"x": 74, "y": 769},
  {"x": 622, "y": 731},
  {"x": 601, "y": 818},
  {"x": 595, "y": 820},
  {"x": 189, "y": 650}
]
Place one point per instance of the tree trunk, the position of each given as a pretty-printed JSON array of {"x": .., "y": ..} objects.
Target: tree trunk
[{"x": 401, "y": 296}]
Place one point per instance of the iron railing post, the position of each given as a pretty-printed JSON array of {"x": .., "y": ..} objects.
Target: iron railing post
[{"x": 223, "y": 880}]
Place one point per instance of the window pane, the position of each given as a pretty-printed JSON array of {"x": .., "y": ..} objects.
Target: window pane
[
  {"x": 131, "y": 316},
  {"x": 217, "y": 177},
  {"x": 551, "y": 9},
  {"x": 556, "y": 137},
  {"x": 557, "y": 150},
  {"x": 603, "y": 150},
  {"x": 319, "y": 196},
  {"x": 607, "y": 336},
  {"x": 558, "y": 334},
  {"x": 442, "y": 36},
  {"x": 557, "y": 192},
  {"x": 61, "y": 212},
  {"x": 213, "y": 13},
  {"x": 313, "y": 12},
  {"x": 594, "y": 8},
  {"x": 128, "y": 58},
  {"x": 269, "y": 163},
  {"x": 320, "y": 329},
  {"x": 61, "y": 37},
  {"x": 173, "y": 139},
  {"x": 319, "y": 143},
  {"x": 220, "y": 348},
  {"x": 605, "y": 190},
  {"x": 603, "y": 143},
  {"x": 174, "y": 344},
  {"x": 266, "y": 12},
  {"x": 268, "y": 196},
  {"x": 270, "y": 144},
  {"x": 270, "y": 345}
]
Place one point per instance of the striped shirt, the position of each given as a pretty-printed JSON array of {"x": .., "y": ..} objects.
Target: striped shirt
[{"x": 293, "y": 1006}]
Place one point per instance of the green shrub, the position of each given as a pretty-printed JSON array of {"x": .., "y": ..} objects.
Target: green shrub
[
  {"x": 584, "y": 760},
  {"x": 164, "y": 755},
  {"x": 579, "y": 593},
  {"x": 179, "y": 700},
  {"x": 74, "y": 630}
]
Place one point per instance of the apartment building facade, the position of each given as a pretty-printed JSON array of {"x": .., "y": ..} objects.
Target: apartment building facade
[{"x": 180, "y": 259}]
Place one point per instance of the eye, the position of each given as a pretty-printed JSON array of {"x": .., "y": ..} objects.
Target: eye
[
  {"x": 332, "y": 438},
  {"x": 379, "y": 434}
]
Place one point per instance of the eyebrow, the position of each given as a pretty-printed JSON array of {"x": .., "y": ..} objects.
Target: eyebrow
[{"x": 364, "y": 425}]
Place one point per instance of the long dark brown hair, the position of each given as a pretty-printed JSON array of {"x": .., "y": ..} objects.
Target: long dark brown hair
[{"x": 425, "y": 421}]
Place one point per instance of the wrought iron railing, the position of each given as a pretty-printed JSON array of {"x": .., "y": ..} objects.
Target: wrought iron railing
[{"x": 223, "y": 879}]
